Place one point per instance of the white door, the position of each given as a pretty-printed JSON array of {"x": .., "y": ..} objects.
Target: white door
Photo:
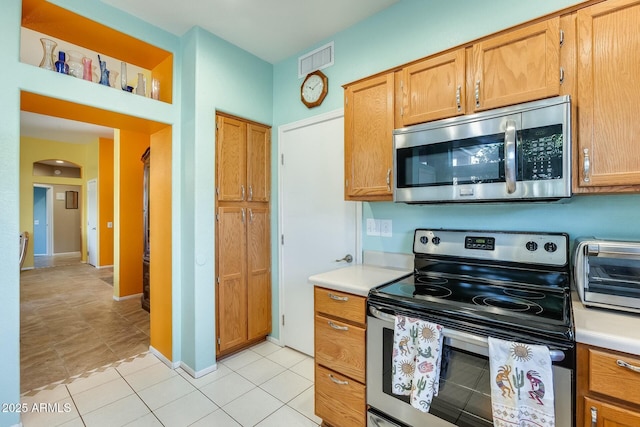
[
  {"x": 317, "y": 226},
  {"x": 92, "y": 223}
]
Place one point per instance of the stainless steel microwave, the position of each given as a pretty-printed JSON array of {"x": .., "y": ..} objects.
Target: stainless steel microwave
[
  {"x": 607, "y": 273},
  {"x": 522, "y": 152}
]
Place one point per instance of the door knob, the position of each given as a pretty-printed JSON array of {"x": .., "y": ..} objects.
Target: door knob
[{"x": 347, "y": 258}]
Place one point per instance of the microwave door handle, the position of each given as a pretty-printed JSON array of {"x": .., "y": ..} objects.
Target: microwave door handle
[{"x": 510, "y": 156}]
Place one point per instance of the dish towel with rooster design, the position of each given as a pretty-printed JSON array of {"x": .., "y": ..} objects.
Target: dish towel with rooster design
[
  {"x": 521, "y": 384},
  {"x": 417, "y": 348}
]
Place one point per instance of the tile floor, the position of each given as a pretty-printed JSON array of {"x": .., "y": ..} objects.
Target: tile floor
[{"x": 265, "y": 385}]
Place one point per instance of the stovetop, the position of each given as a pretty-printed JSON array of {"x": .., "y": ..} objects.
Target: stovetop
[{"x": 486, "y": 280}]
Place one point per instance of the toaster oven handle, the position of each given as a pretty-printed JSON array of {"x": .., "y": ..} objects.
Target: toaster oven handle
[
  {"x": 510, "y": 156},
  {"x": 556, "y": 355}
]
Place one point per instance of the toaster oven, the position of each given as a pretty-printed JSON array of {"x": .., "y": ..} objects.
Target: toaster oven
[{"x": 607, "y": 273}]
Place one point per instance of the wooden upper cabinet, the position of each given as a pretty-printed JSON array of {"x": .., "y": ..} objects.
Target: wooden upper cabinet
[
  {"x": 434, "y": 88},
  {"x": 368, "y": 138},
  {"x": 608, "y": 152},
  {"x": 258, "y": 163},
  {"x": 231, "y": 150},
  {"x": 517, "y": 66}
]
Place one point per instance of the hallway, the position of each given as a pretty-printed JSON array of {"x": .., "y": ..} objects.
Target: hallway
[{"x": 70, "y": 323}]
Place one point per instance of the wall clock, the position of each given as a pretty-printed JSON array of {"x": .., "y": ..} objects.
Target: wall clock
[{"x": 314, "y": 89}]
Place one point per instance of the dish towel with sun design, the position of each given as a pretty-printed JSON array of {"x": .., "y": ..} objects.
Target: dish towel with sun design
[
  {"x": 417, "y": 348},
  {"x": 521, "y": 384}
]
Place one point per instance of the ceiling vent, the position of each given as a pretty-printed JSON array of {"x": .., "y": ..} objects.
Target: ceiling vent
[{"x": 317, "y": 59}]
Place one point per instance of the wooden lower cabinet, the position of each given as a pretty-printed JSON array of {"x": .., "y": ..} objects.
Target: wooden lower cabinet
[
  {"x": 340, "y": 359},
  {"x": 608, "y": 388}
]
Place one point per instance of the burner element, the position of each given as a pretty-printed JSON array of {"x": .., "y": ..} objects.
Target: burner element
[
  {"x": 431, "y": 280},
  {"x": 507, "y": 302},
  {"x": 522, "y": 293}
]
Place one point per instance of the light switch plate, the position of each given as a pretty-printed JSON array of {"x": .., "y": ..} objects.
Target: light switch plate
[{"x": 373, "y": 227}]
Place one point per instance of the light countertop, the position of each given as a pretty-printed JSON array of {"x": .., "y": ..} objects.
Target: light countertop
[
  {"x": 615, "y": 330},
  {"x": 357, "y": 279}
]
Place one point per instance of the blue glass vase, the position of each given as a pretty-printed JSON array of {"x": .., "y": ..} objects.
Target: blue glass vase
[{"x": 61, "y": 63}]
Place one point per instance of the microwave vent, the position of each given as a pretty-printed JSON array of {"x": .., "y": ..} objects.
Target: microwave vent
[{"x": 317, "y": 59}]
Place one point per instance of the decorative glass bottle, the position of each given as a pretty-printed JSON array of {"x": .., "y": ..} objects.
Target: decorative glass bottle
[
  {"x": 141, "y": 89},
  {"x": 61, "y": 63},
  {"x": 74, "y": 61},
  {"x": 48, "y": 46},
  {"x": 123, "y": 76},
  {"x": 104, "y": 73},
  {"x": 87, "y": 70}
]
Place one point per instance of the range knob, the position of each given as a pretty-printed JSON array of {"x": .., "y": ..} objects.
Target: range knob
[
  {"x": 424, "y": 240},
  {"x": 532, "y": 246},
  {"x": 550, "y": 247},
  {"x": 435, "y": 240}
]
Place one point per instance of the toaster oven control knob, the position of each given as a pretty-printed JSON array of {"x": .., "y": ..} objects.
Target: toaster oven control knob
[
  {"x": 532, "y": 246},
  {"x": 424, "y": 240},
  {"x": 550, "y": 247},
  {"x": 435, "y": 240}
]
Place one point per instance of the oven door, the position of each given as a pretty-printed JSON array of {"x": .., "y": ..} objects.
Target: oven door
[{"x": 464, "y": 397}]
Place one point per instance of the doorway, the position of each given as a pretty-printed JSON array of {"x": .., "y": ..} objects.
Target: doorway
[{"x": 42, "y": 236}]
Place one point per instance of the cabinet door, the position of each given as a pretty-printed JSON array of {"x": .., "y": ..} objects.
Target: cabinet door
[
  {"x": 340, "y": 346},
  {"x": 434, "y": 88},
  {"x": 601, "y": 414},
  {"x": 369, "y": 113},
  {"x": 608, "y": 92},
  {"x": 231, "y": 161},
  {"x": 258, "y": 272},
  {"x": 258, "y": 163},
  {"x": 231, "y": 297},
  {"x": 339, "y": 400},
  {"x": 519, "y": 66}
]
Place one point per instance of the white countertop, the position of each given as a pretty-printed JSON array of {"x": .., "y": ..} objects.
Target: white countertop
[
  {"x": 615, "y": 330},
  {"x": 357, "y": 279}
]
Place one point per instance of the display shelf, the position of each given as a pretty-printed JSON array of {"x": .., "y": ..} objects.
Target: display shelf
[{"x": 92, "y": 38}]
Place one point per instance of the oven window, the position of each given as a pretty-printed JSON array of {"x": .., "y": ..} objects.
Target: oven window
[
  {"x": 614, "y": 276},
  {"x": 465, "y": 161},
  {"x": 464, "y": 398}
]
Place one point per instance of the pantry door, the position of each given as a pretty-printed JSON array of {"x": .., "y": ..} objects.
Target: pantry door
[{"x": 317, "y": 227}]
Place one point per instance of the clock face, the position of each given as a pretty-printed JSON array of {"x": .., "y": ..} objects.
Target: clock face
[{"x": 313, "y": 89}]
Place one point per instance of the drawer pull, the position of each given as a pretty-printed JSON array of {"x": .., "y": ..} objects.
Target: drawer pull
[
  {"x": 337, "y": 381},
  {"x": 337, "y": 327},
  {"x": 337, "y": 297},
  {"x": 624, "y": 364}
]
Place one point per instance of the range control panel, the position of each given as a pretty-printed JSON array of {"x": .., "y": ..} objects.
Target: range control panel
[{"x": 522, "y": 247}]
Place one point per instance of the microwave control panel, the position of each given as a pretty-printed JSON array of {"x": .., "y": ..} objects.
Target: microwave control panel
[{"x": 542, "y": 153}]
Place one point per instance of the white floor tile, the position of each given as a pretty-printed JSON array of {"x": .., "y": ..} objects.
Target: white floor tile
[
  {"x": 76, "y": 422},
  {"x": 137, "y": 364},
  {"x": 305, "y": 404},
  {"x": 218, "y": 418},
  {"x": 82, "y": 384},
  {"x": 306, "y": 368},
  {"x": 252, "y": 407},
  {"x": 55, "y": 394},
  {"x": 286, "y": 385},
  {"x": 118, "y": 413},
  {"x": 261, "y": 370},
  {"x": 48, "y": 414},
  {"x": 143, "y": 378},
  {"x": 102, "y": 395},
  {"x": 186, "y": 410},
  {"x": 227, "y": 389},
  {"x": 286, "y": 416},
  {"x": 265, "y": 348},
  {"x": 148, "y": 420},
  {"x": 206, "y": 379},
  {"x": 166, "y": 392},
  {"x": 241, "y": 359},
  {"x": 287, "y": 357}
]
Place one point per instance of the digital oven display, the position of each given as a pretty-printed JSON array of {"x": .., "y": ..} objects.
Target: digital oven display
[{"x": 481, "y": 243}]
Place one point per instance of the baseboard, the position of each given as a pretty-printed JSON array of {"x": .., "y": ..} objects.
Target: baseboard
[
  {"x": 127, "y": 297},
  {"x": 169, "y": 363},
  {"x": 27, "y": 268},
  {"x": 276, "y": 341},
  {"x": 104, "y": 266},
  {"x": 201, "y": 372}
]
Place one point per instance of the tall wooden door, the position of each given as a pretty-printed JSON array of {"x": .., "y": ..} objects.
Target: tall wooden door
[
  {"x": 258, "y": 272},
  {"x": 231, "y": 295}
]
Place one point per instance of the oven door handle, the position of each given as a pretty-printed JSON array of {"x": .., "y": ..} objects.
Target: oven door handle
[{"x": 451, "y": 334}]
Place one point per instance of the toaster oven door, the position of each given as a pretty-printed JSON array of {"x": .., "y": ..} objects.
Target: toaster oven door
[{"x": 608, "y": 274}]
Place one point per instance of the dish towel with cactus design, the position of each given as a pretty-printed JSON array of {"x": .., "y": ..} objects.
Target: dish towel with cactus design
[
  {"x": 417, "y": 349},
  {"x": 521, "y": 384}
]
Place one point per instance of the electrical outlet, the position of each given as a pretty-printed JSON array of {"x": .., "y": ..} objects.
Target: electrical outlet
[
  {"x": 385, "y": 228},
  {"x": 109, "y": 224}
]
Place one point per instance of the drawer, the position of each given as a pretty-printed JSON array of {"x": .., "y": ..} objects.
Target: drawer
[
  {"x": 607, "y": 377},
  {"x": 340, "y": 304},
  {"x": 339, "y": 400},
  {"x": 341, "y": 347}
]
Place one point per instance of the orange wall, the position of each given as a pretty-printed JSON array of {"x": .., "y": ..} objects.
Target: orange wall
[
  {"x": 132, "y": 146},
  {"x": 105, "y": 203},
  {"x": 160, "y": 242}
]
